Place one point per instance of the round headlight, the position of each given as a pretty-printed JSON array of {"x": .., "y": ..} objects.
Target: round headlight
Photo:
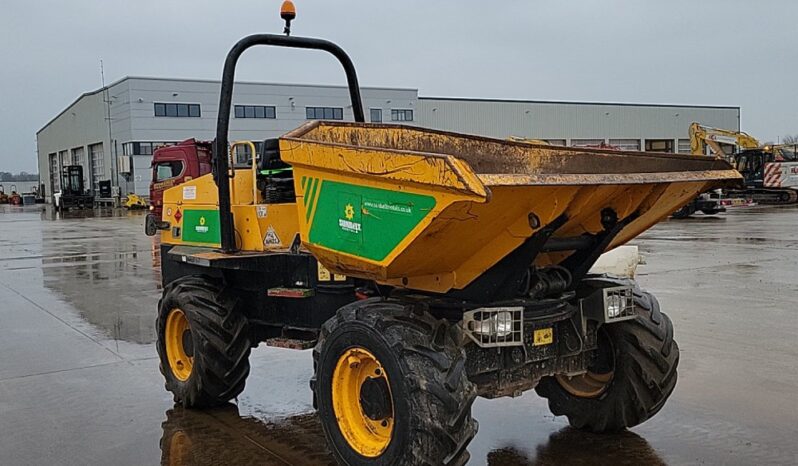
[
  {"x": 499, "y": 325},
  {"x": 615, "y": 305}
]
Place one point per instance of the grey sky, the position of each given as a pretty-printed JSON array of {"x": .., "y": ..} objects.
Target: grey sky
[{"x": 713, "y": 52}]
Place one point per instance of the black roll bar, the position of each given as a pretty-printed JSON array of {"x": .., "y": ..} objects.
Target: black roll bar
[{"x": 220, "y": 165}]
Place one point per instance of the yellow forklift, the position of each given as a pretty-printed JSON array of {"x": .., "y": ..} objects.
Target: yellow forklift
[{"x": 424, "y": 268}]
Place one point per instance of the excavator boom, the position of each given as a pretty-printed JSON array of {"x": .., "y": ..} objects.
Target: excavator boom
[{"x": 706, "y": 136}]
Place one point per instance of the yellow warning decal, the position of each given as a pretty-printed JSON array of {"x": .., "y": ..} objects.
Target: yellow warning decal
[
  {"x": 324, "y": 273},
  {"x": 543, "y": 336}
]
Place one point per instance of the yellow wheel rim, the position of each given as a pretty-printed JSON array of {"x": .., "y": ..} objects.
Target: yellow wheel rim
[
  {"x": 179, "y": 449},
  {"x": 368, "y": 433},
  {"x": 177, "y": 337},
  {"x": 587, "y": 385},
  {"x": 597, "y": 379}
]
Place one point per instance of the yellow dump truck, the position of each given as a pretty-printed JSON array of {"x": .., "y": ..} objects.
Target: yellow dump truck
[{"x": 424, "y": 268}]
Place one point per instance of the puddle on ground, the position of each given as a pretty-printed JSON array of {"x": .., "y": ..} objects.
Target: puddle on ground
[{"x": 222, "y": 436}]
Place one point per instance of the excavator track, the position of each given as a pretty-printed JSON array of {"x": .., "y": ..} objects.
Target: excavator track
[{"x": 771, "y": 196}]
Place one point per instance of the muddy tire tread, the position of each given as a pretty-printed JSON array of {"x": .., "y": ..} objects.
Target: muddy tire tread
[
  {"x": 221, "y": 342},
  {"x": 441, "y": 394},
  {"x": 647, "y": 357}
]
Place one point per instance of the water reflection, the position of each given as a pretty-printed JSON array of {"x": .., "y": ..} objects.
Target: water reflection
[
  {"x": 49, "y": 213},
  {"x": 574, "y": 447},
  {"x": 222, "y": 436},
  {"x": 106, "y": 268}
]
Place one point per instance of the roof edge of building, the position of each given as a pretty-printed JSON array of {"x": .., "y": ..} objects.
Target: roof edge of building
[
  {"x": 217, "y": 81},
  {"x": 330, "y": 86},
  {"x": 212, "y": 81},
  {"x": 80, "y": 97},
  {"x": 572, "y": 102}
]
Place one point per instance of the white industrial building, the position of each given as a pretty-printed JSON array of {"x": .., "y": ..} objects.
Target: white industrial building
[
  {"x": 20, "y": 187},
  {"x": 112, "y": 131}
]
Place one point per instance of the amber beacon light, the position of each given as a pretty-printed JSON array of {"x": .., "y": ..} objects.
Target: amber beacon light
[{"x": 288, "y": 13}]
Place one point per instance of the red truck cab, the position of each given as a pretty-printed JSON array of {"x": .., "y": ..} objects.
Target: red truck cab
[{"x": 173, "y": 165}]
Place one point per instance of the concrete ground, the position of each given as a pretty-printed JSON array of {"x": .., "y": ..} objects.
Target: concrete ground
[{"x": 79, "y": 379}]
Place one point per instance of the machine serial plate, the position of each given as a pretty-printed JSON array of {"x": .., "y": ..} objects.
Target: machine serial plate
[{"x": 543, "y": 336}]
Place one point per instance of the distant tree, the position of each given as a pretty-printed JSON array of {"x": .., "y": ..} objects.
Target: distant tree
[
  {"x": 22, "y": 176},
  {"x": 790, "y": 139}
]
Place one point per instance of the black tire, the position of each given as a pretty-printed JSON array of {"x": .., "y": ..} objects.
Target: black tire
[
  {"x": 684, "y": 212},
  {"x": 219, "y": 337},
  {"x": 429, "y": 388},
  {"x": 645, "y": 360}
]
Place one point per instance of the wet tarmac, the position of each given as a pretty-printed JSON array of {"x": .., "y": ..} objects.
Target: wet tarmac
[{"x": 79, "y": 379}]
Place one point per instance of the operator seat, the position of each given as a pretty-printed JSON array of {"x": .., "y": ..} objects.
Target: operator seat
[
  {"x": 275, "y": 177},
  {"x": 270, "y": 156}
]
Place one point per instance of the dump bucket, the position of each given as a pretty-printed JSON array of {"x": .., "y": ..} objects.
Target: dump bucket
[{"x": 431, "y": 210}]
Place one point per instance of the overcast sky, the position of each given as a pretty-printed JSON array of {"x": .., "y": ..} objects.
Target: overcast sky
[{"x": 708, "y": 52}]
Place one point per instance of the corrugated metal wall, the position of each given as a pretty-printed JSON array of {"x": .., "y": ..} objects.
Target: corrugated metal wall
[
  {"x": 562, "y": 120},
  {"x": 22, "y": 187},
  {"x": 132, "y": 120}
]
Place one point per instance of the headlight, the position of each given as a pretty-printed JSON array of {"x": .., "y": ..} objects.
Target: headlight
[
  {"x": 494, "y": 326},
  {"x": 499, "y": 325},
  {"x": 618, "y": 303},
  {"x": 615, "y": 305}
]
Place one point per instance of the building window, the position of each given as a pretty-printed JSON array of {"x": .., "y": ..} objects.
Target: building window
[
  {"x": 589, "y": 143},
  {"x": 659, "y": 145},
  {"x": 255, "y": 111},
  {"x": 556, "y": 142},
  {"x": 324, "y": 113},
  {"x": 684, "y": 146},
  {"x": 626, "y": 144},
  {"x": 143, "y": 148},
  {"x": 376, "y": 115},
  {"x": 177, "y": 110},
  {"x": 64, "y": 158},
  {"x": 97, "y": 165},
  {"x": 398, "y": 114},
  {"x": 55, "y": 173},
  {"x": 77, "y": 156}
]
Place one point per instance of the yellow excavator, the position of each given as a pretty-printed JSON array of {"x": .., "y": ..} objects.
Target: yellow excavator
[
  {"x": 770, "y": 172},
  {"x": 425, "y": 268},
  {"x": 703, "y": 137},
  {"x": 528, "y": 140}
]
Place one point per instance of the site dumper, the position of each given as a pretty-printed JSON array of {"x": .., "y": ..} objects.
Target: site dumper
[{"x": 425, "y": 269}]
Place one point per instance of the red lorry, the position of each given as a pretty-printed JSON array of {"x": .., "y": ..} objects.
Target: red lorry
[{"x": 172, "y": 165}]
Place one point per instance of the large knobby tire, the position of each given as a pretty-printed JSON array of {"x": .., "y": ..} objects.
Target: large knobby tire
[
  {"x": 645, "y": 359},
  {"x": 210, "y": 363},
  {"x": 429, "y": 396},
  {"x": 683, "y": 213}
]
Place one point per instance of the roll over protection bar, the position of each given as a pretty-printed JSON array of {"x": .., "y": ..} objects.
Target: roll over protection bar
[{"x": 220, "y": 161}]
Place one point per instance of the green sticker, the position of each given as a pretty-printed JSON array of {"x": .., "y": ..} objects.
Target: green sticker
[
  {"x": 201, "y": 226},
  {"x": 366, "y": 222}
]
